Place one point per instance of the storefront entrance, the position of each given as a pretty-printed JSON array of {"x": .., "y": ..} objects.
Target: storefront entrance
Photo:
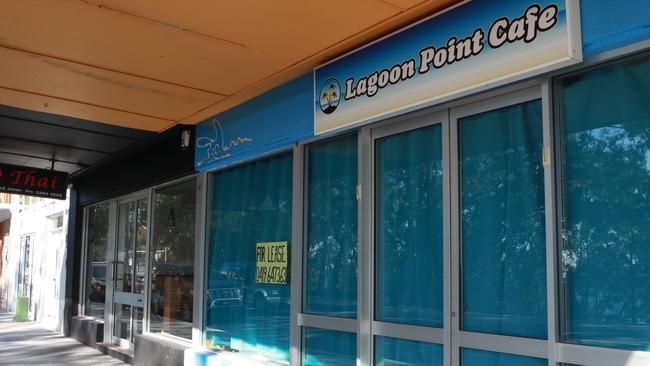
[
  {"x": 459, "y": 212},
  {"x": 129, "y": 270}
]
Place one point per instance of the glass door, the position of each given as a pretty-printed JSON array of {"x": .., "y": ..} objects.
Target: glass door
[
  {"x": 499, "y": 297},
  {"x": 410, "y": 176},
  {"x": 129, "y": 270}
]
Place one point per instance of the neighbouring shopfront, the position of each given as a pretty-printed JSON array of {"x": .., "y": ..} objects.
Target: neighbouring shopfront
[{"x": 471, "y": 190}]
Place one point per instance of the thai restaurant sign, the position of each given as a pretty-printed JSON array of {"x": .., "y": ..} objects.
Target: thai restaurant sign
[
  {"x": 33, "y": 182},
  {"x": 473, "y": 46}
]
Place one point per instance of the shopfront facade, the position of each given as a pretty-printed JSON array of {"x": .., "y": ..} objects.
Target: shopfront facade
[{"x": 471, "y": 190}]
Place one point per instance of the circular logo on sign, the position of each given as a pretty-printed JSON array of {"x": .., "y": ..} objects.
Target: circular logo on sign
[{"x": 330, "y": 95}]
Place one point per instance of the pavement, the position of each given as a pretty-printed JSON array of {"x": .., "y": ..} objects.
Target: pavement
[{"x": 30, "y": 344}]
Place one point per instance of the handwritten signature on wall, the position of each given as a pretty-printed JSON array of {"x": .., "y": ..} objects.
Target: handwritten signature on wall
[{"x": 216, "y": 147}]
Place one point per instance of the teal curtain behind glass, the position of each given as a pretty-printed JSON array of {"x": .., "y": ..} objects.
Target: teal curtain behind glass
[
  {"x": 331, "y": 268},
  {"x": 472, "y": 357},
  {"x": 606, "y": 247},
  {"x": 503, "y": 226},
  {"x": 401, "y": 352},
  {"x": 250, "y": 204},
  {"x": 409, "y": 227},
  {"x": 329, "y": 348}
]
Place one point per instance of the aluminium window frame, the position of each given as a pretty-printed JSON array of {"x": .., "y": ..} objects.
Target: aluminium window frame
[
  {"x": 201, "y": 253},
  {"x": 562, "y": 352},
  {"x": 198, "y": 268}
]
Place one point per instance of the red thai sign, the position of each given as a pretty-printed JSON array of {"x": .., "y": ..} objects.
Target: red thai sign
[{"x": 33, "y": 182}]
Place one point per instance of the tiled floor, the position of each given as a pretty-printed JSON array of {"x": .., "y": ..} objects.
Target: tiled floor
[{"x": 30, "y": 344}]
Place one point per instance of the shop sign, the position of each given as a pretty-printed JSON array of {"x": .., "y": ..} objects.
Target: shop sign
[
  {"x": 476, "y": 45},
  {"x": 270, "y": 122},
  {"x": 272, "y": 263},
  {"x": 33, "y": 182}
]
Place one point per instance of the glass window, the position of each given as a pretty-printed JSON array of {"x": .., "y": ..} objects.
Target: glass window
[
  {"x": 409, "y": 227},
  {"x": 172, "y": 259},
  {"x": 502, "y": 222},
  {"x": 329, "y": 348},
  {"x": 331, "y": 258},
  {"x": 96, "y": 252},
  {"x": 605, "y": 253},
  {"x": 394, "y": 352},
  {"x": 248, "y": 291},
  {"x": 473, "y": 357}
]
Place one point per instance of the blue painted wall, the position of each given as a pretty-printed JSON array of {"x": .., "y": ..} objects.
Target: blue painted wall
[
  {"x": 610, "y": 24},
  {"x": 284, "y": 115},
  {"x": 273, "y": 120}
]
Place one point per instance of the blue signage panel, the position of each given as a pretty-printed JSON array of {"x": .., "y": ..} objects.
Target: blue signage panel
[
  {"x": 269, "y": 122},
  {"x": 476, "y": 44}
]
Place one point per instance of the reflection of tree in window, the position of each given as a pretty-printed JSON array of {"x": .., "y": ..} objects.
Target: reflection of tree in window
[
  {"x": 605, "y": 256},
  {"x": 332, "y": 228}
]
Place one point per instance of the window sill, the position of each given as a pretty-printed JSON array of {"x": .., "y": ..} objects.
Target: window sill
[{"x": 199, "y": 356}]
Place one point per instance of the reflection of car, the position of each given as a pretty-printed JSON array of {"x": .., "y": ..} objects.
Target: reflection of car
[
  {"x": 98, "y": 281},
  {"x": 256, "y": 294},
  {"x": 225, "y": 301}
]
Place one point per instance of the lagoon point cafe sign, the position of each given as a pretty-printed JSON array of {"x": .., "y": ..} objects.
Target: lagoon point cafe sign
[
  {"x": 33, "y": 182},
  {"x": 445, "y": 55}
]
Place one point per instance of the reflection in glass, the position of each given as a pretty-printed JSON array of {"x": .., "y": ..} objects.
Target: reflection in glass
[
  {"x": 473, "y": 357},
  {"x": 250, "y": 204},
  {"x": 172, "y": 259},
  {"x": 329, "y": 348},
  {"x": 502, "y": 222},
  {"x": 409, "y": 227},
  {"x": 605, "y": 252},
  {"x": 331, "y": 258},
  {"x": 393, "y": 352},
  {"x": 96, "y": 246},
  {"x": 140, "y": 246},
  {"x": 125, "y": 241},
  {"x": 122, "y": 321}
]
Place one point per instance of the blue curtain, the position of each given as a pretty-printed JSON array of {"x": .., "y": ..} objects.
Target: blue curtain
[
  {"x": 249, "y": 204},
  {"x": 331, "y": 258},
  {"x": 409, "y": 227},
  {"x": 605, "y": 116},
  {"x": 472, "y": 357},
  {"x": 503, "y": 226},
  {"x": 329, "y": 348},
  {"x": 401, "y": 352}
]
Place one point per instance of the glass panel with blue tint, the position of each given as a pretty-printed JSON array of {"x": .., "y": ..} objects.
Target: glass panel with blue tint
[
  {"x": 409, "y": 254},
  {"x": 331, "y": 257},
  {"x": 472, "y": 357},
  {"x": 329, "y": 348},
  {"x": 249, "y": 204},
  {"x": 401, "y": 352},
  {"x": 605, "y": 254},
  {"x": 502, "y": 221}
]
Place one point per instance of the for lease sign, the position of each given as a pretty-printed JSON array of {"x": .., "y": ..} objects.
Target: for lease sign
[{"x": 272, "y": 263}]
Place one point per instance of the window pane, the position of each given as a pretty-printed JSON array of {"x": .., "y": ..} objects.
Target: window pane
[
  {"x": 96, "y": 244},
  {"x": 409, "y": 227},
  {"x": 503, "y": 226},
  {"x": 472, "y": 357},
  {"x": 329, "y": 348},
  {"x": 401, "y": 352},
  {"x": 331, "y": 259},
  {"x": 172, "y": 259},
  {"x": 250, "y": 204},
  {"x": 606, "y": 234}
]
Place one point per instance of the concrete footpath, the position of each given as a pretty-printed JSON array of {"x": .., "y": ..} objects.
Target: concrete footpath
[{"x": 30, "y": 344}]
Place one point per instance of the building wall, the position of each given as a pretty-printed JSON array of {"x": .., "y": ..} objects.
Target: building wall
[{"x": 44, "y": 221}]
